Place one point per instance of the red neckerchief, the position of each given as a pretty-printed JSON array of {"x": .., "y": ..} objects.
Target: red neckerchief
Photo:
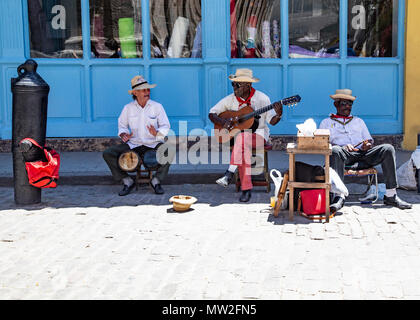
[
  {"x": 337, "y": 118},
  {"x": 248, "y": 100}
]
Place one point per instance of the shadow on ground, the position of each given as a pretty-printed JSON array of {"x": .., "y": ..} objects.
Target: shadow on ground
[{"x": 214, "y": 196}]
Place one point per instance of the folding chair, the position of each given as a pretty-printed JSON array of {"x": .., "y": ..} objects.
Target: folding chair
[{"x": 360, "y": 170}]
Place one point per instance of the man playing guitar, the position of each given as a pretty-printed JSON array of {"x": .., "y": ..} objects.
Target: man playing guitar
[{"x": 245, "y": 95}]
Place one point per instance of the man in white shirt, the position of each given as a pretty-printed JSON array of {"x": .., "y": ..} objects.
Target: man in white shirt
[
  {"x": 244, "y": 95},
  {"x": 142, "y": 127},
  {"x": 353, "y": 146}
]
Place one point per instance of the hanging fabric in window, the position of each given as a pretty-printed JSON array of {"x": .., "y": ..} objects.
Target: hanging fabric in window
[
  {"x": 254, "y": 28},
  {"x": 314, "y": 28},
  {"x": 115, "y": 28},
  {"x": 175, "y": 27},
  {"x": 373, "y": 28}
]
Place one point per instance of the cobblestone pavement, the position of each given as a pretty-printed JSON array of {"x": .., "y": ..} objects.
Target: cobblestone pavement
[{"x": 86, "y": 242}]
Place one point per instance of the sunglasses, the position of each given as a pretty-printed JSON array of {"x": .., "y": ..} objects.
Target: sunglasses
[
  {"x": 239, "y": 85},
  {"x": 345, "y": 103}
]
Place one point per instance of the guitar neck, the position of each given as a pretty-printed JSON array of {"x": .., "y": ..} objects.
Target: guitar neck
[{"x": 257, "y": 112}]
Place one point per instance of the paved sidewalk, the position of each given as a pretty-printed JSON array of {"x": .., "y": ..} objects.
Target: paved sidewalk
[{"x": 86, "y": 242}]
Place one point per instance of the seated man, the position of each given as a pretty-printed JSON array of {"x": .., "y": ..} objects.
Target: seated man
[
  {"x": 352, "y": 144},
  {"x": 244, "y": 95},
  {"x": 142, "y": 126}
]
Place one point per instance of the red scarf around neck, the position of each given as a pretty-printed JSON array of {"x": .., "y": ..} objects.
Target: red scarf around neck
[
  {"x": 337, "y": 116},
  {"x": 248, "y": 100}
]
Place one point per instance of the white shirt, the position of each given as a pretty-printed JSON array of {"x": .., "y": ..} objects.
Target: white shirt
[
  {"x": 135, "y": 119},
  {"x": 259, "y": 100},
  {"x": 353, "y": 132}
]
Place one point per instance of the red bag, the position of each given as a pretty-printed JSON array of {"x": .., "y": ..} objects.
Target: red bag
[
  {"x": 43, "y": 174},
  {"x": 313, "y": 201}
]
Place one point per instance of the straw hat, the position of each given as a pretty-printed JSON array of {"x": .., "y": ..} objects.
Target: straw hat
[
  {"x": 182, "y": 203},
  {"x": 343, "y": 94},
  {"x": 243, "y": 75},
  {"x": 139, "y": 83}
]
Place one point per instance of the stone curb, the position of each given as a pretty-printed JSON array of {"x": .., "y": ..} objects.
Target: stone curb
[{"x": 278, "y": 142}]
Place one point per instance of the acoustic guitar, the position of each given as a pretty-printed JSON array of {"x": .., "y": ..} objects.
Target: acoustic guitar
[{"x": 246, "y": 118}]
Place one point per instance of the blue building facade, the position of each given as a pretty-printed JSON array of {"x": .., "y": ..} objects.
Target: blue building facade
[{"x": 88, "y": 90}]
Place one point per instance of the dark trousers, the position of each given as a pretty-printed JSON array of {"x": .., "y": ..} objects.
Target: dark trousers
[
  {"x": 383, "y": 154},
  {"x": 112, "y": 154}
]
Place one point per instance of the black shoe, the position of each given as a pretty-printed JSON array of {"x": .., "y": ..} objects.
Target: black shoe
[
  {"x": 245, "y": 196},
  {"x": 395, "y": 201},
  {"x": 337, "y": 204},
  {"x": 225, "y": 180},
  {"x": 126, "y": 190},
  {"x": 158, "y": 188}
]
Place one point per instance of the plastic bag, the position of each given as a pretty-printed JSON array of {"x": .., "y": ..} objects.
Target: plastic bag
[
  {"x": 371, "y": 193},
  {"x": 406, "y": 176},
  {"x": 415, "y": 156},
  {"x": 277, "y": 179},
  {"x": 337, "y": 185}
]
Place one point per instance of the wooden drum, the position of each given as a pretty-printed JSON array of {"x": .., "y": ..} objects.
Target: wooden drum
[{"x": 129, "y": 161}]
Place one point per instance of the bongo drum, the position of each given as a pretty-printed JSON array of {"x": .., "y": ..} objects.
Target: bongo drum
[{"x": 129, "y": 161}]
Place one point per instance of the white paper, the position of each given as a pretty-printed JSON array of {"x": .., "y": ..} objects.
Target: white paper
[{"x": 307, "y": 128}]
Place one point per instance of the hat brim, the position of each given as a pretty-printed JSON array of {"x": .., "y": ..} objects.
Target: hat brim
[
  {"x": 142, "y": 87},
  {"x": 342, "y": 96},
  {"x": 181, "y": 199},
  {"x": 232, "y": 77}
]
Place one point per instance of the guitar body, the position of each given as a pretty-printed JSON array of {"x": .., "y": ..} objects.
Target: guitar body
[
  {"x": 223, "y": 134},
  {"x": 247, "y": 119}
]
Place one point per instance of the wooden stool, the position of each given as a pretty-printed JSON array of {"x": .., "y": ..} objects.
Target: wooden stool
[
  {"x": 265, "y": 182},
  {"x": 143, "y": 175},
  {"x": 130, "y": 161}
]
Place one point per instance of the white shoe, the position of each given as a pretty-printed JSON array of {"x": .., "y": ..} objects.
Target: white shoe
[{"x": 225, "y": 180}]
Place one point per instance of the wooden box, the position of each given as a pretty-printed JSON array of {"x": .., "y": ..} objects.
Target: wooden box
[{"x": 320, "y": 140}]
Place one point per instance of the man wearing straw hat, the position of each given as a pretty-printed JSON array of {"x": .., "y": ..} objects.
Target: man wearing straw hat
[
  {"x": 245, "y": 95},
  {"x": 353, "y": 145},
  {"x": 142, "y": 126}
]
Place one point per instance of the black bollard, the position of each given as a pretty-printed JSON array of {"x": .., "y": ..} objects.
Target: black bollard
[{"x": 29, "y": 120}]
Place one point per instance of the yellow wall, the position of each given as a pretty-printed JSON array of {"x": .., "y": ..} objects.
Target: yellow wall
[{"x": 412, "y": 76}]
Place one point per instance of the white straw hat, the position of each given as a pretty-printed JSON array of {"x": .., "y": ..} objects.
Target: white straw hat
[
  {"x": 343, "y": 94},
  {"x": 139, "y": 83},
  {"x": 243, "y": 75}
]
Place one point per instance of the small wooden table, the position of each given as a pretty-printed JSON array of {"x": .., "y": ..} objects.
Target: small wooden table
[{"x": 292, "y": 150}]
